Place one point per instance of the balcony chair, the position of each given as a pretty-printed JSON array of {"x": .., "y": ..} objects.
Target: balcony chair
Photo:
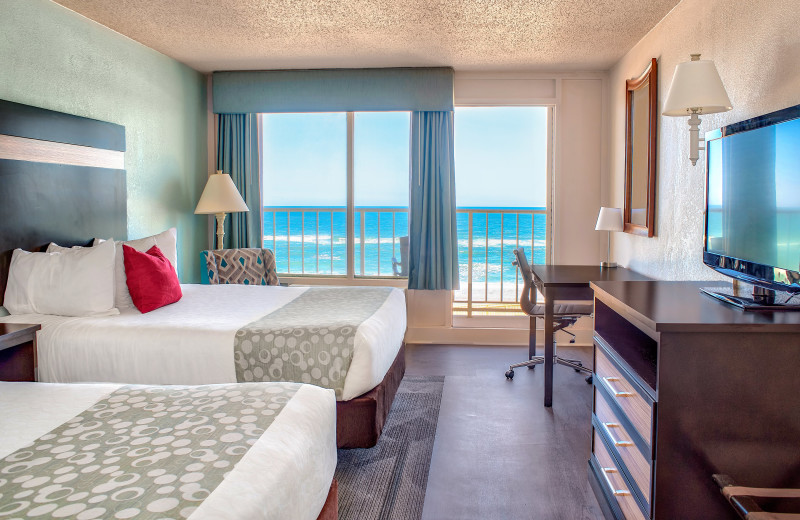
[
  {"x": 247, "y": 266},
  {"x": 401, "y": 268},
  {"x": 564, "y": 315}
]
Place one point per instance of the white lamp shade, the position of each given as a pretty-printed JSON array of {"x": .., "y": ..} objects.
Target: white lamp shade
[
  {"x": 609, "y": 219},
  {"x": 696, "y": 85},
  {"x": 220, "y": 196}
]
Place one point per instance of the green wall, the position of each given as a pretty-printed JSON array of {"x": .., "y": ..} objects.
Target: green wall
[{"x": 53, "y": 58}]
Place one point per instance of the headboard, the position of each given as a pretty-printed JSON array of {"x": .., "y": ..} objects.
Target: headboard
[{"x": 62, "y": 179}]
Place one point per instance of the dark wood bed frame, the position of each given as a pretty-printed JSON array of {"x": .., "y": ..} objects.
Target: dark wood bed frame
[{"x": 43, "y": 202}]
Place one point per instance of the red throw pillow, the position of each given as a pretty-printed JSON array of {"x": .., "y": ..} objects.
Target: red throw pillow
[{"x": 152, "y": 281}]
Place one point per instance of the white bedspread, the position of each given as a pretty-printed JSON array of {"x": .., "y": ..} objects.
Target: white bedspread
[
  {"x": 191, "y": 342},
  {"x": 285, "y": 475}
]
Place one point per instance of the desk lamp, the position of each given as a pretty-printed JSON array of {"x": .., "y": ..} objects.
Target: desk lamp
[{"x": 609, "y": 219}]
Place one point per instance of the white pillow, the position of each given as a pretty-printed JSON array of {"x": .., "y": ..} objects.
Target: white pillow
[
  {"x": 166, "y": 241},
  {"x": 74, "y": 282},
  {"x": 52, "y": 247}
]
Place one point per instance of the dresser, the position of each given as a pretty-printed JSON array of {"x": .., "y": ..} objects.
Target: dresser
[{"x": 686, "y": 387}]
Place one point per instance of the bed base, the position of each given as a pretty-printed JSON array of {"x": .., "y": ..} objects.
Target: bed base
[
  {"x": 330, "y": 511},
  {"x": 360, "y": 421}
]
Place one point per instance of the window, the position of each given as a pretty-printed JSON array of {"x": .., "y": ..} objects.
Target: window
[
  {"x": 502, "y": 197},
  {"x": 335, "y": 192}
]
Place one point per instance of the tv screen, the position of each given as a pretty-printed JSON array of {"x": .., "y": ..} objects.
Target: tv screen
[{"x": 753, "y": 200}]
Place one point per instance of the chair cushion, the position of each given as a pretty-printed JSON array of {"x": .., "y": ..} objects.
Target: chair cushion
[
  {"x": 247, "y": 266},
  {"x": 566, "y": 309}
]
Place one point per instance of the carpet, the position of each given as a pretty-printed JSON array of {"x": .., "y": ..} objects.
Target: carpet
[{"x": 387, "y": 481}]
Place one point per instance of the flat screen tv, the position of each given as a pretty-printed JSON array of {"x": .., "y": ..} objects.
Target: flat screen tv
[{"x": 752, "y": 217}]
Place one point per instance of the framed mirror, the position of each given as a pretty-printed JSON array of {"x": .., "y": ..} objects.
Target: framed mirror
[{"x": 641, "y": 107}]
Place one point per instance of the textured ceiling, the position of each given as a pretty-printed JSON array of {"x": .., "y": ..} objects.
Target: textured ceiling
[{"x": 468, "y": 35}]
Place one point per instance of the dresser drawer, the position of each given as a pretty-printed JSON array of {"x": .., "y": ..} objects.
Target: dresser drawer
[
  {"x": 615, "y": 483},
  {"x": 637, "y": 407},
  {"x": 628, "y": 452}
]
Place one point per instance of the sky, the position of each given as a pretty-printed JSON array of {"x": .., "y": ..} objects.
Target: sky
[
  {"x": 787, "y": 163},
  {"x": 305, "y": 158}
]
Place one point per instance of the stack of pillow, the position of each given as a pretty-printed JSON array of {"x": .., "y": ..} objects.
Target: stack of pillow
[{"x": 95, "y": 281}]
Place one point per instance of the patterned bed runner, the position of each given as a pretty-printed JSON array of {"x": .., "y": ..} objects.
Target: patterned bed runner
[
  {"x": 142, "y": 452},
  {"x": 308, "y": 340}
]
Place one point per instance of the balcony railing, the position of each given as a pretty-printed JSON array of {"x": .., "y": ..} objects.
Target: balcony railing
[
  {"x": 487, "y": 237},
  {"x": 313, "y": 241}
]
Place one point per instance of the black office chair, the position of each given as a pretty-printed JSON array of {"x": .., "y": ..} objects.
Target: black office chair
[{"x": 564, "y": 315}]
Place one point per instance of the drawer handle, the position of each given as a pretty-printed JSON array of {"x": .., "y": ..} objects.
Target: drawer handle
[
  {"x": 607, "y": 427},
  {"x": 616, "y": 492},
  {"x": 616, "y": 393}
]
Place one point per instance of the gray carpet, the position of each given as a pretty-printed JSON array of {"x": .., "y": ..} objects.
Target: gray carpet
[{"x": 387, "y": 481}]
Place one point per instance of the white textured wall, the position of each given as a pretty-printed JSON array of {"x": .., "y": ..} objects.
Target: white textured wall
[{"x": 755, "y": 45}]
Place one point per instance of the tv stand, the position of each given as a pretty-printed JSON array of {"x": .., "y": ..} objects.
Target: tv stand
[
  {"x": 686, "y": 388},
  {"x": 762, "y": 300}
]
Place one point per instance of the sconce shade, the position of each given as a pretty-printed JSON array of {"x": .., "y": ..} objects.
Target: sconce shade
[
  {"x": 609, "y": 219},
  {"x": 696, "y": 86},
  {"x": 220, "y": 196}
]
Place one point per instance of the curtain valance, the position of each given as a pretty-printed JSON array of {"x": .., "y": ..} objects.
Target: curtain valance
[{"x": 333, "y": 90}]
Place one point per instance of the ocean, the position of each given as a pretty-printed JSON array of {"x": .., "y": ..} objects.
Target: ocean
[{"x": 321, "y": 247}]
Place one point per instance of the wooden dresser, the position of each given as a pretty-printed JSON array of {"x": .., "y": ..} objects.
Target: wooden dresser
[{"x": 685, "y": 387}]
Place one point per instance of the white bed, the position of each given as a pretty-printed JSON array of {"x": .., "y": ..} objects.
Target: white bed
[
  {"x": 286, "y": 474},
  {"x": 190, "y": 342}
]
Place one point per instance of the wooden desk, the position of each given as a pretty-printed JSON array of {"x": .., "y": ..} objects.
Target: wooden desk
[
  {"x": 568, "y": 282},
  {"x": 18, "y": 351},
  {"x": 685, "y": 387}
]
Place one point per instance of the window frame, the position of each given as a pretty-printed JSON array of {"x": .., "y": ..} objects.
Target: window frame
[
  {"x": 516, "y": 321},
  {"x": 350, "y": 278}
]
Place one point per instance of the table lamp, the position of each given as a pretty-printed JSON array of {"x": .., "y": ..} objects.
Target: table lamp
[
  {"x": 609, "y": 219},
  {"x": 219, "y": 197}
]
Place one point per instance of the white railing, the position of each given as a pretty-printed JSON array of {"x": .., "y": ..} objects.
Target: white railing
[
  {"x": 487, "y": 237},
  {"x": 313, "y": 240}
]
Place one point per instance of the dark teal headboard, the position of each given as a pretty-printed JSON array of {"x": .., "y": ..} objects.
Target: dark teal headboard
[{"x": 62, "y": 179}]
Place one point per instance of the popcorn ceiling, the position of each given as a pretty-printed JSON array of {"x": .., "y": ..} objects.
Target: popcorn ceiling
[{"x": 468, "y": 35}]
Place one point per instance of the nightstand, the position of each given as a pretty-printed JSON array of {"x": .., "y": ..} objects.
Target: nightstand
[{"x": 18, "y": 351}]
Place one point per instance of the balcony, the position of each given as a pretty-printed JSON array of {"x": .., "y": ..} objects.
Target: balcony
[{"x": 312, "y": 241}]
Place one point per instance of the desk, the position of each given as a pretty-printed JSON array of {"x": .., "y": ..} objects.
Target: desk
[{"x": 569, "y": 282}]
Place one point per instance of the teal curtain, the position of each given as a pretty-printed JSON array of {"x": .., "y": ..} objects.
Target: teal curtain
[
  {"x": 237, "y": 154},
  {"x": 433, "y": 238}
]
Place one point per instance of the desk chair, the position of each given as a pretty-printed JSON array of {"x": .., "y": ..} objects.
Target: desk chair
[{"x": 564, "y": 315}]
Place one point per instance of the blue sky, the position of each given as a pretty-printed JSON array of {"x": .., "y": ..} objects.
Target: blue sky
[
  {"x": 305, "y": 158},
  {"x": 787, "y": 163}
]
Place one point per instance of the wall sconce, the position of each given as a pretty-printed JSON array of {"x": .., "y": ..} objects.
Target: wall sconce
[{"x": 696, "y": 89}]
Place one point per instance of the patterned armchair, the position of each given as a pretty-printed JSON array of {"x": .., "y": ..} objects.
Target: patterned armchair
[{"x": 250, "y": 266}]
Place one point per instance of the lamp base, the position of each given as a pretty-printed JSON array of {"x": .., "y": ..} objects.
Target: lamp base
[
  {"x": 608, "y": 264},
  {"x": 220, "y": 229}
]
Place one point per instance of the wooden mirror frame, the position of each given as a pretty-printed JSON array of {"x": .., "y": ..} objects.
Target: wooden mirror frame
[{"x": 650, "y": 78}]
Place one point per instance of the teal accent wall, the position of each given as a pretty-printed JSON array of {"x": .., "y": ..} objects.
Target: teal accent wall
[{"x": 54, "y": 58}]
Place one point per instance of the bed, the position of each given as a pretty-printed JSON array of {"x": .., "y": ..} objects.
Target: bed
[
  {"x": 235, "y": 451},
  {"x": 194, "y": 342},
  {"x": 43, "y": 199}
]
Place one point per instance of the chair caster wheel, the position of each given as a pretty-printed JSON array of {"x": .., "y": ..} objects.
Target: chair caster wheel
[
  {"x": 589, "y": 380},
  {"x": 510, "y": 375}
]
